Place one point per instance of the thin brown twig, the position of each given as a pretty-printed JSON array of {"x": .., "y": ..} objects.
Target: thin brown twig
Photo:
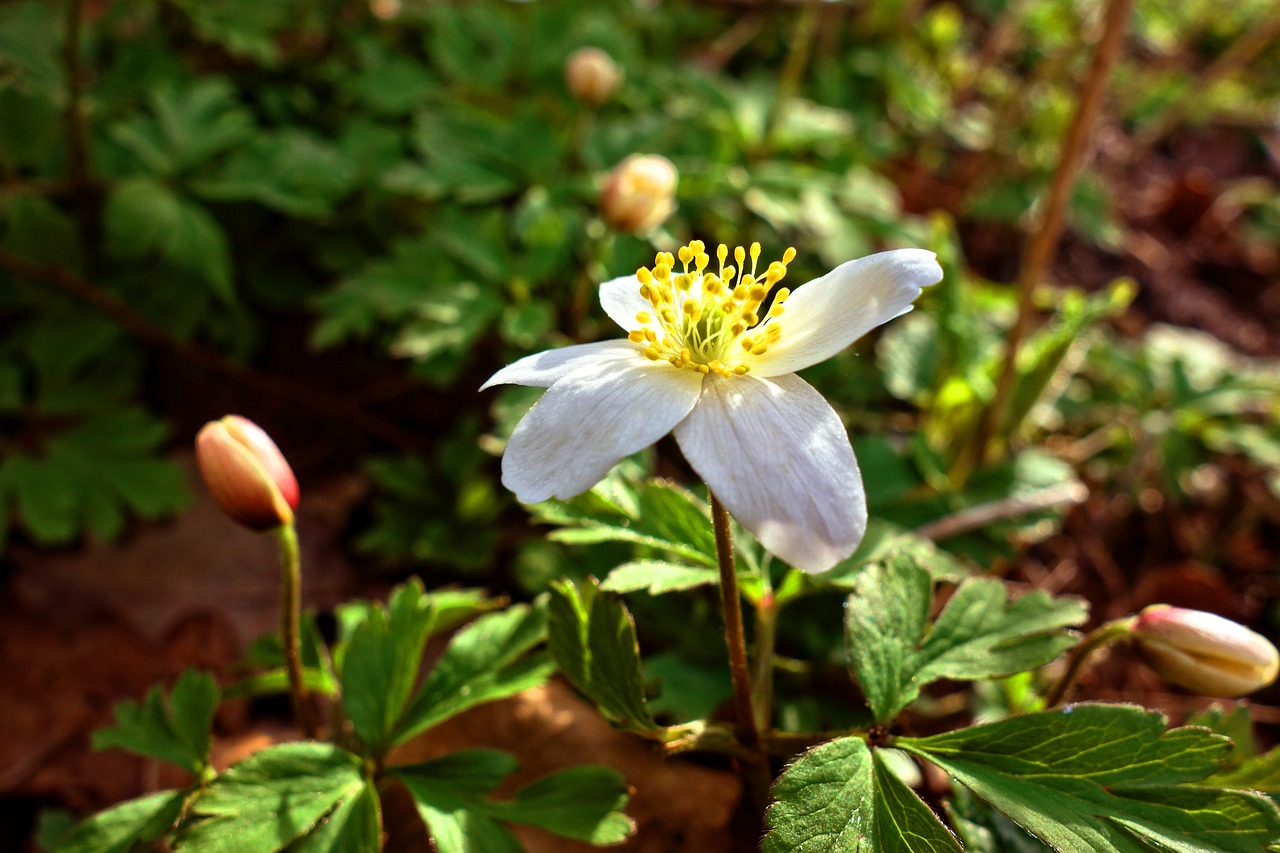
[
  {"x": 1064, "y": 494},
  {"x": 1044, "y": 240},
  {"x": 150, "y": 332}
]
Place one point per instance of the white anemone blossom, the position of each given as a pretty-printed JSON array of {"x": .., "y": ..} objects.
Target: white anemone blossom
[{"x": 712, "y": 357}]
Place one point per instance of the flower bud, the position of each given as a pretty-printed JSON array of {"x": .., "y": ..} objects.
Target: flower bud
[
  {"x": 591, "y": 75},
  {"x": 639, "y": 194},
  {"x": 246, "y": 473},
  {"x": 1203, "y": 652}
]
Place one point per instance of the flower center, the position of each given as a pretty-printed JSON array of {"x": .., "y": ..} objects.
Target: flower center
[{"x": 710, "y": 321}]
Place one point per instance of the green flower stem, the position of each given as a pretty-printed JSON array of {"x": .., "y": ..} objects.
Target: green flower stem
[
  {"x": 290, "y": 627},
  {"x": 735, "y": 637},
  {"x": 1100, "y": 637},
  {"x": 766, "y": 634}
]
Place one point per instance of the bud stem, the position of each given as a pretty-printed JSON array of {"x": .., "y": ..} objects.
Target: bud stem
[
  {"x": 290, "y": 626},
  {"x": 1100, "y": 637}
]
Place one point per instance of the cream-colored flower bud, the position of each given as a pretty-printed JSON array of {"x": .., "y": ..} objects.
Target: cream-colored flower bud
[
  {"x": 592, "y": 76},
  {"x": 1204, "y": 652},
  {"x": 639, "y": 193}
]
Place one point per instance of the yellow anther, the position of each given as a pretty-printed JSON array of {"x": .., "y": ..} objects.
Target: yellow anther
[
  {"x": 644, "y": 275},
  {"x": 636, "y": 337},
  {"x": 668, "y": 259},
  {"x": 675, "y": 361},
  {"x": 645, "y": 292},
  {"x": 729, "y": 272},
  {"x": 789, "y": 255},
  {"x": 652, "y": 353},
  {"x": 701, "y": 260},
  {"x": 662, "y": 271},
  {"x": 651, "y": 336},
  {"x": 781, "y": 296},
  {"x": 686, "y": 255},
  {"x": 776, "y": 310},
  {"x": 774, "y": 332},
  {"x": 748, "y": 343},
  {"x": 755, "y": 255},
  {"x": 644, "y": 318},
  {"x": 741, "y": 369},
  {"x": 740, "y": 255},
  {"x": 702, "y": 368},
  {"x": 737, "y": 329},
  {"x": 740, "y": 292},
  {"x": 751, "y": 319},
  {"x": 757, "y": 292},
  {"x": 689, "y": 307},
  {"x": 668, "y": 316},
  {"x": 722, "y": 252},
  {"x": 698, "y": 247},
  {"x": 759, "y": 350}
]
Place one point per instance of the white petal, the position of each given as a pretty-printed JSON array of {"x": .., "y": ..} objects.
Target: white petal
[
  {"x": 621, "y": 300},
  {"x": 589, "y": 420},
  {"x": 829, "y": 313},
  {"x": 776, "y": 455},
  {"x": 544, "y": 369}
]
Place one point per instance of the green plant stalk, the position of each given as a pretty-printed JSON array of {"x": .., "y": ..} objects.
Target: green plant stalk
[
  {"x": 798, "y": 50},
  {"x": 766, "y": 635},
  {"x": 734, "y": 635},
  {"x": 290, "y": 626},
  {"x": 1100, "y": 637}
]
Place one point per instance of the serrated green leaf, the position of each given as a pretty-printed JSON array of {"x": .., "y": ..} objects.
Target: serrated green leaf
[
  {"x": 1260, "y": 773},
  {"x": 354, "y": 826},
  {"x": 291, "y": 171},
  {"x": 894, "y": 652},
  {"x": 593, "y": 640},
  {"x": 840, "y": 798},
  {"x": 658, "y": 576},
  {"x": 451, "y": 794},
  {"x": 1105, "y": 779},
  {"x": 487, "y": 660},
  {"x": 273, "y": 798},
  {"x": 187, "y": 126},
  {"x": 380, "y": 666},
  {"x": 175, "y": 729},
  {"x": 120, "y": 828},
  {"x": 665, "y": 517},
  {"x": 144, "y": 217}
]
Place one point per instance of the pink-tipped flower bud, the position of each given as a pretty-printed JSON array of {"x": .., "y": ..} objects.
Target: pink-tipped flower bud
[
  {"x": 639, "y": 194},
  {"x": 592, "y": 76},
  {"x": 246, "y": 473},
  {"x": 1203, "y": 652}
]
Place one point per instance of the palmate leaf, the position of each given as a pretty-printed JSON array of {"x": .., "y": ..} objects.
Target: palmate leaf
[
  {"x": 120, "y": 828},
  {"x": 487, "y": 660},
  {"x": 312, "y": 793},
  {"x": 173, "y": 728},
  {"x": 1105, "y": 779},
  {"x": 452, "y": 796},
  {"x": 894, "y": 652},
  {"x": 381, "y": 662},
  {"x": 593, "y": 640},
  {"x": 840, "y": 798},
  {"x": 1260, "y": 773}
]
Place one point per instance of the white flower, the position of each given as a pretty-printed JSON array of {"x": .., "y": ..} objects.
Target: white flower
[{"x": 705, "y": 359}]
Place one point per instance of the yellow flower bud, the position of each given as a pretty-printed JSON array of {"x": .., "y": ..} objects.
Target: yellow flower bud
[
  {"x": 246, "y": 473},
  {"x": 592, "y": 76},
  {"x": 1204, "y": 652},
  {"x": 639, "y": 194}
]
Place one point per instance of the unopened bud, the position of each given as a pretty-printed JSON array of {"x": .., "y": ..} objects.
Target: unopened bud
[
  {"x": 639, "y": 194},
  {"x": 1204, "y": 652},
  {"x": 591, "y": 75},
  {"x": 246, "y": 473}
]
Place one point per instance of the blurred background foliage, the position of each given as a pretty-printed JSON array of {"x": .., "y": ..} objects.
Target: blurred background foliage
[{"x": 339, "y": 218}]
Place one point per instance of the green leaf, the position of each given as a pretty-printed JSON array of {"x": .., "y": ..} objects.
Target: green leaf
[
  {"x": 1260, "y": 773},
  {"x": 120, "y": 828},
  {"x": 1105, "y": 779},
  {"x": 593, "y": 640},
  {"x": 176, "y": 730},
  {"x": 487, "y": 660},
  {"x": 665, "y": 517},
  {"x": 145, "y": 218},
  {"x": 658, "y": 576},
  {"x": 354, "y": 826},
  {"x": 244, "y": 27},
  {"x": 380, "y": 666},
  {"x": 274, "y": 797},
  {"x": 894, "y": 652},
  {"x": 294, "y": 172},
  {"x": 452, "y": 796},
  {"x": 840, "y": 798},
  {"x": 187, "y": 126}
]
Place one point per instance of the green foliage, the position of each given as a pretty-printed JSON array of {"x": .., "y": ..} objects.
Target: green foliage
[
  {"x": 593, "y": 640},
  {"x": 121, "y": 828},
  {"x": 453, "y": 797},
  {"x": 841, "y": 797},
  {"x": 278, "y": 796},
  {"x": 1104, "y": 778},
  {"x": 174, "y": 729},
  {"x": 894, "y": 650},
  {"x": 489, "y": 659}
]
